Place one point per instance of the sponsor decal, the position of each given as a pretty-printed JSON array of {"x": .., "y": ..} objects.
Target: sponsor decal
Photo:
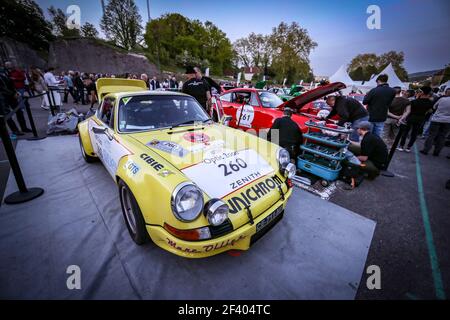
[
  {"x": 169, "y": 147},
  {"x": 222, "y": 173},
  {"x": 206, "y": 248},
  {"x": 132, "y": 167},
  {"x": 196, "y": 137},
  {"x": 126, "y": 100},
  {"x": 253, "y": 194},
  {"x": 152, "y": 162}
]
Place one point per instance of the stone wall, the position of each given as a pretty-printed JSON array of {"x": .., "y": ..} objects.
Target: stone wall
[
  {"x": 20, "y": 54},
  {"x": 90, "y": 55}
]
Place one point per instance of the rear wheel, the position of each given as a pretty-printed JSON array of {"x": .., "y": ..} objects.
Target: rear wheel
[
  {"x": 132, "y": 215},
  {"x": 86, "y": 157}
]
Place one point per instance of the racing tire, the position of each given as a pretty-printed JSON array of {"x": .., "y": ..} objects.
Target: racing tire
[
  {"x": 133, "y": 216},
  {"x": 86, "y": 157}
]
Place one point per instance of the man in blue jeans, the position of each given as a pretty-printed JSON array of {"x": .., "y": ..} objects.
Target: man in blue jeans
[{"x": 378, "y": 101}]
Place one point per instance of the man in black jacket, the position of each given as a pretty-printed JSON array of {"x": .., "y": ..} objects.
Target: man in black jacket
[
  {"x": 378, "y": 101},
  {"x": 289, "y": 133},
  {"x": 348, "y": 110},
  {"x": 372, "y": 151}
]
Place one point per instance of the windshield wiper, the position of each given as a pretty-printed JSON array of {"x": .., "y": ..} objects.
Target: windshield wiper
[{"x": 187, "y": 123}]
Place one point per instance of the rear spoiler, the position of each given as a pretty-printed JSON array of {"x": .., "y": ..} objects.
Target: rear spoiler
[{"x": 114, "y": 85}]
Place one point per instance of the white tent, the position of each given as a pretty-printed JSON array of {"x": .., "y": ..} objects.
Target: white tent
[
  {"x": 342, "y": 76},
  {"x": 393, "y": 80}
]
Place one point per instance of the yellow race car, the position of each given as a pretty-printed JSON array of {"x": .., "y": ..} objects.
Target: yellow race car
[{"x": 194, "y": 187}]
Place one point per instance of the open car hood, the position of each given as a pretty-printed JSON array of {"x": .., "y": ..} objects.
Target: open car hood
[
  {"x": 298, "y": 102},
  {"x": 114, "y": 85}
]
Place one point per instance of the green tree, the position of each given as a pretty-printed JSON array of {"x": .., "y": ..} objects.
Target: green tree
[
  {"x": 357, "y": 74},
  {"x": 58, "y": 20},
  {"x": 371, "y": 64},
  {"x": 23, "y": 20},
  {"x": 291, "y": 46},
  {"x": 121, "y": 23},
  {"x": 446, "y": 74},
  {"x": 243, "y": 51},
  {"x": 173, "y": 37},
  {"x": 88, "y": 30}
]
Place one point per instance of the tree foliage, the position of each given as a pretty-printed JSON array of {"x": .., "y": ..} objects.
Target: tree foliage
[
  {"x": 58, "y": 20},
  {"x": 23, "y": 20},
  {"x": 282, "y": 54},
  {"x": 175, "y": 38},
  {"x": 371, "y": 64},
  {"x": 88, "y": 30},
  {"x": 121, "y": 23}
]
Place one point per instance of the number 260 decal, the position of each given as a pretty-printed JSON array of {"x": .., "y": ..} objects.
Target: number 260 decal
[{"x": 233, "y": 167}]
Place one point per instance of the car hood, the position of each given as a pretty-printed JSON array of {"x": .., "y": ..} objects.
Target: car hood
[
  {"x": 204, "y": 155},
  {"x": 298, "y": 102}
]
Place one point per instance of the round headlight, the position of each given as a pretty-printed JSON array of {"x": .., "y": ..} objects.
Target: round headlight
[
  {"x": 283, "y": 157},
  {"x": 187, "y": 202},
  {"x": 216, "y": 212},
  {"x": 290, "y": 171}
]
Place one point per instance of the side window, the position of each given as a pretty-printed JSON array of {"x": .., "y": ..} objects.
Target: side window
[
  {"x": 254, "y": 100},
  {"x": 241, "y": 96},
  {"x": 226, "y": 97},
  {"x": 106, "y": 110}
]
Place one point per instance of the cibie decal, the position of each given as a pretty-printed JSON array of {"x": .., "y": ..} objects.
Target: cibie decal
[
  {"x": 169, "y": 147},
  {"x": 253, "y": 194},
  {"x": 132, "y": 167},
  {"x": 196, "y": 137},
  {"x": 152, "y": 162}
]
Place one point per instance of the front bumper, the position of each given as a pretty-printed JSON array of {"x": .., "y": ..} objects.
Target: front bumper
[{"x": 239, "y": 239}]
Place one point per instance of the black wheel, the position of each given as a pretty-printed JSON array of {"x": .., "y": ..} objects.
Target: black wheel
[
  {"x": 132, "y": 215},
  {"x": 86, "y": 157}
]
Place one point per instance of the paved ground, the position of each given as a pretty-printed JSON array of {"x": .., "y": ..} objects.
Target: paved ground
[{"x": 411, "y": 244}]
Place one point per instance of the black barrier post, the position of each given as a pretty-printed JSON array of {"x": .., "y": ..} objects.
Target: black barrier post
[
  {"x": 50, "y": 101},
  {"x": 386, "y": 172},
  {"x": 30, "y": 119},
  {"x": 24, "y": 194}
]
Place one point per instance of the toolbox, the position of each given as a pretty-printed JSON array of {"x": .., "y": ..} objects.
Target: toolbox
[{"x": 323, "y": 150}]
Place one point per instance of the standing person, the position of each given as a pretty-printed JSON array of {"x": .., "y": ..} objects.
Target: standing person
[
  {"x": 289, "y": 133},
  {"x": 68, "y": 83},
  {"x": 50, "y": 78},
  {"x": 348, "y": 110},
  {"x": 395, "y": 112},
  {"x": 173, "y": 83},
  {"x": 378, "y": 101},
  {"x": 199, "y": 89},
  {"x": 91, "y": 89},
  {"x": 372, "y": 152},
  {"x": 17, "y": 76},
  {"x": 8, "y": 100},
  {"x": 211, "y": 83},
  {"x": 78, "y": 83},
  {"x": 414, "y": 116},
  {"x": 440, "y": 125},
  {"x": 144, "y": 77},
  {"x": 154, "y": 84}
]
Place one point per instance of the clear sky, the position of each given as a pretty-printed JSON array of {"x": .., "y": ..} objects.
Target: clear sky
[{"x": 420, "y": 28}]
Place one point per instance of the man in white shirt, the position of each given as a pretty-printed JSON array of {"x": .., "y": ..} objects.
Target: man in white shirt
[{"x": 49, "y": 78}]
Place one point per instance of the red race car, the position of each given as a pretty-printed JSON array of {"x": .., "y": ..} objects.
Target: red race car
[{"x": 257, "y": 109}]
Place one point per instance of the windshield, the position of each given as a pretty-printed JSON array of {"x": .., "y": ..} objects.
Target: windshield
[
  {"x": 154, "y": 112},
  {"x": 269, "y": 99}
]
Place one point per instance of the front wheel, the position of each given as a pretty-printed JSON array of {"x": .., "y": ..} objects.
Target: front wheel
[
  {"x": 132, "y": 215},
  {"x": 86, "y": 157}
]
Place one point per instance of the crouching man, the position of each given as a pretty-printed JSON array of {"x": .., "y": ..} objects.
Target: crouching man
[{"x": 372, "y": 151}]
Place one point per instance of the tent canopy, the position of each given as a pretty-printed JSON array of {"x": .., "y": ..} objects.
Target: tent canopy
[
  {"x": 342, "y": 76},
  {"x": 393, "y": 80}
]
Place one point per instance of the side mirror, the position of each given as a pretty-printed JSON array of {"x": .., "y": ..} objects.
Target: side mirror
[{"x": 226, "y": 120}]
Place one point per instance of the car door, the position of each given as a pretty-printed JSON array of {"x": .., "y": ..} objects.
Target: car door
[{"x": 104, "y": 138}]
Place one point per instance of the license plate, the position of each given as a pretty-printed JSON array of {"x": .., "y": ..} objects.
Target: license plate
[{"x": 269, "y": 218}]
